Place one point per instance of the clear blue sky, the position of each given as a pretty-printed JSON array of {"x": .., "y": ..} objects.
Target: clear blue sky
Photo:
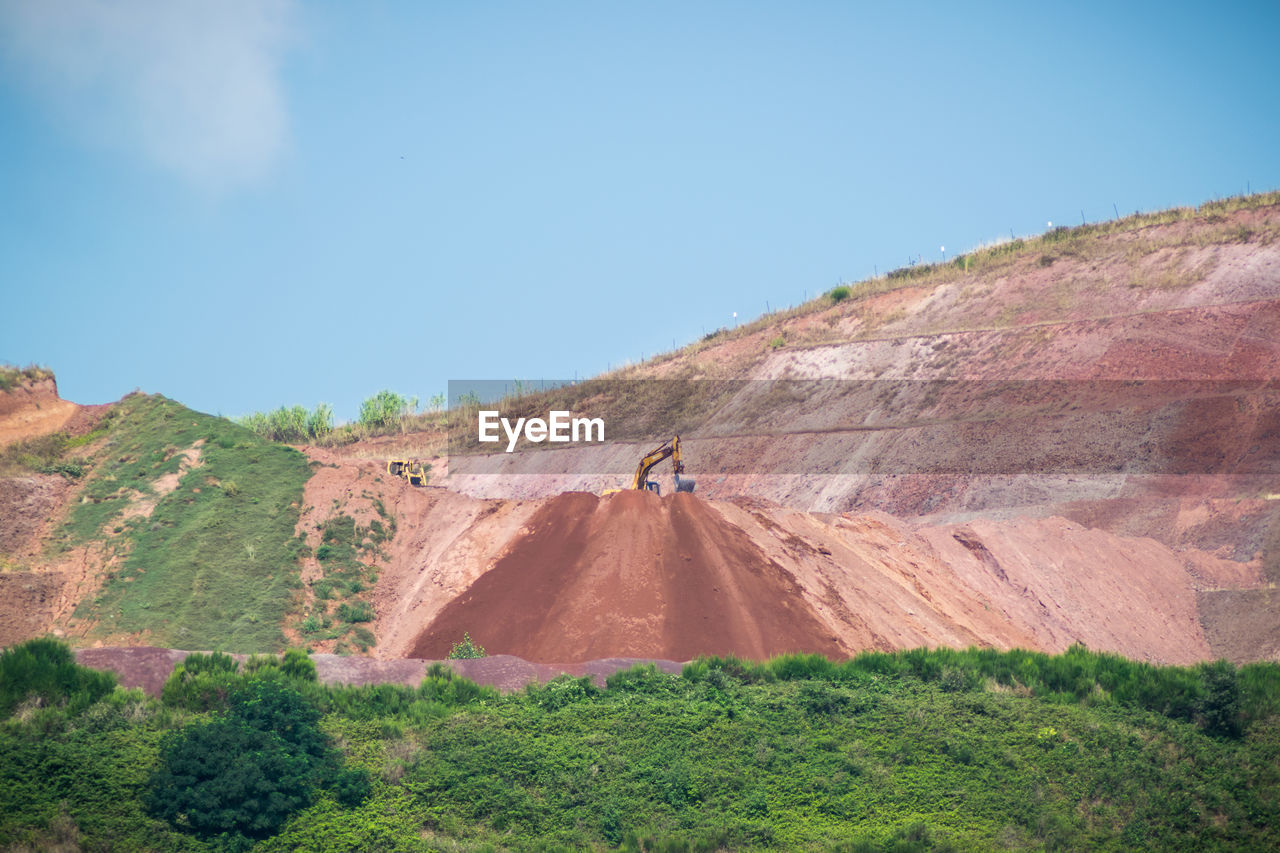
[{"x": 248, "y": 203}]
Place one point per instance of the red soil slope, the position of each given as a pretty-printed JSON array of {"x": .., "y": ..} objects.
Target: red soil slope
[{"x": 631, "y": 575}]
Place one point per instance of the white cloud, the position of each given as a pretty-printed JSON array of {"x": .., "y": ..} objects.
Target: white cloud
[{"x": 193, "y": 85}]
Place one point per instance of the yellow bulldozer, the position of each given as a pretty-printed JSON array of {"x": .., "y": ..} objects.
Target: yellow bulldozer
[
  {"x": 669, "y": 449},
  {"x": 415, "y": 473}
]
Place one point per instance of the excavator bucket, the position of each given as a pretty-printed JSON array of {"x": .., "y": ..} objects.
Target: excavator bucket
[{"x": 685, "y": 484}]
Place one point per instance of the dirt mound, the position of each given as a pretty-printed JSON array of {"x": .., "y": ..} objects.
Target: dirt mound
[
  {"x": 636, "y": 575},
  {"x": 631, "y": 575}
]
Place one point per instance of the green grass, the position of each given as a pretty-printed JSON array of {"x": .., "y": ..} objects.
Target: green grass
[
  {"x": 347, "y": 554},
  {"x": 215, "y": 564},
  {"x": 920, "y": 750}
]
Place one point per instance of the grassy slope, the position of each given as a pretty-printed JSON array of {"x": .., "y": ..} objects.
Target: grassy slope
[
  {"x": 214, "y": 564},
  {"x": 796, "y": 755}
]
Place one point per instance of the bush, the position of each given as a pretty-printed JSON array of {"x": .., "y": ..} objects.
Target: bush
[
  {"x": 819, "y": 699},
  {"x": 45, "y": 669},
  {"x": 226, "y": 776},
  {"x": 466, "y": 649},
  {"x": 291, "y": 423},
  {"x": 839, "y": 294},
  {"x": 247, "y": 772},
  {"x": 320, "y": 421},
  {"x": 385, "y": 409},
  {"x": 1219, "y": 709},
  {"x": 201, "y": 682},
  {"x": 561, "y": 691},
  {"x": 244, "y": 773},
  {"x": 360, "y": 611}
]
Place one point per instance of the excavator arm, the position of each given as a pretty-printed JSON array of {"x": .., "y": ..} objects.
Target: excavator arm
[{"x": 669, "y": 449}]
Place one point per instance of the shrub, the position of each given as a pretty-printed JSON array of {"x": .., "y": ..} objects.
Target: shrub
[
  {"x": 839, "y": 294},
  {"x": 385, "y": 409},
  {"x": 467, "y": 649},
  {"x": 360, "y": 611},
  {"x": 45, "y": 668},
  {"x": 561, "y": 691},
  {"x": 291, "y": 423},
  {"x": 818, "y": 698},
  {"x": 1219, "y": 708},
  {"x": 363, "y": 638},
  {"x": 247, "y": 772},
  {"x": 201, "y": 682},
  {"x": 320, "y": 421},
  {"x": 226, "y": 776}
]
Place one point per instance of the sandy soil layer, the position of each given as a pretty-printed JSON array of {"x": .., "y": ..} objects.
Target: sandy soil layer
[
  {"x": 641, "y": 576},
  {"x": 33, "y": 410}
]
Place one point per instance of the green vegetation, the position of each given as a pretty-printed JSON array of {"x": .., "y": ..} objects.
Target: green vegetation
[
  {"x": 11, "y": 376},
  {"x": 213, "y": 563},
  {"x": 46, "y": 454},
  {"x": 347, "y": 555},
  {"x": 839, "y": 294},
  {"x": 56, "y": 453},
  {"x": 384, "y": 413},
  {"x": 919, "y": 750},
  {"x": 291, "y": 424},
  {"x": 43, "y": 672},
  {"x": 467, "y": 649},
  {"x": 386, "y": 409},
  {"x": 244, "y": 772}
]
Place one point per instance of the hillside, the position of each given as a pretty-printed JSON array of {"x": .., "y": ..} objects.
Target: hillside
[
  {"x": 1067, "y": 439},
  {"x": 157, "y": 524},
  {"x": 917, "y": 751}
]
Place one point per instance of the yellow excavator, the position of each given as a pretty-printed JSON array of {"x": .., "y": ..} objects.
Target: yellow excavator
[
  {"x": 653, "y": 457},
  {"x": 415, "y": 473}
]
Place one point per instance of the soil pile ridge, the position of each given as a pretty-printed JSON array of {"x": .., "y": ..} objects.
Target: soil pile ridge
[
  {"x": 631, "y": 575},
  {"x": 635, "y": 575}
]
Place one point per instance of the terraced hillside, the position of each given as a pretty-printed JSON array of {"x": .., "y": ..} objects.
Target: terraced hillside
[{"x": 1071, "y": 439}]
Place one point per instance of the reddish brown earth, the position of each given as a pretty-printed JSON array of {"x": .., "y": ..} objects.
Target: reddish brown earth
[
  {"x": 32, "y": 410},
  {"x": 578, "y": 577},
  {"x": 1169, "y": 562},
  {"x": 634, "y": 575}
]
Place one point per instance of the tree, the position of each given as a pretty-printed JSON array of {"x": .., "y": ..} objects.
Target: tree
[
  {"x": 227, "y": 776},
  {"x": 248, "y": 771}
]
